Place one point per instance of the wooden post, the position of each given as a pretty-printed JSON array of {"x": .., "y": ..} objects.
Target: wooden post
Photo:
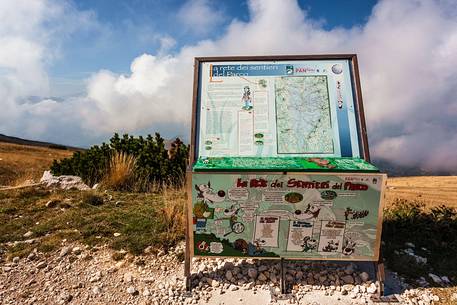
[
  {"x": 187, "y": 254},
  {"x": 283, "y": 278}
]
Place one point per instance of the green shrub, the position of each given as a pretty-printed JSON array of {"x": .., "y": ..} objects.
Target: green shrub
[
  {"x": 433, "y": 232},
  {"x": 154, "y": 164}
]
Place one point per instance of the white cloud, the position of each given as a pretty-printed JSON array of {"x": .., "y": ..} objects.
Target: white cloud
[
  {"x": 198, "y": 16},
  {"x": 406, "y": 55}
]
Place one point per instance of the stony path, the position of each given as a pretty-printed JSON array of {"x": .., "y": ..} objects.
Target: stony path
[{"x": 79, "y": 275}]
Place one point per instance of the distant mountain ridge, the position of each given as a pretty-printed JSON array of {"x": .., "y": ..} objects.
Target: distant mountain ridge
[
  {"x": 384, "y": 166},
  {"x": 396, "y": 170},
  {"x": 20, "y": 141}
]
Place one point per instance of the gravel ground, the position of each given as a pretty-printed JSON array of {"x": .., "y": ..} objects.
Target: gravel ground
[{"x": 79, "y": 275}]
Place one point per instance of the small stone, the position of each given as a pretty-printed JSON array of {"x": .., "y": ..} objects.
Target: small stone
[
  {"x": 76, "y": 250},
  {"x": 364, "y": 276},
  {"x": 348, "y": 279},
  {"x": 52, "y": 203},
  {"x": 131, "y": 290},
  {"x": 252, "y": 273},
  {"x": 64, "y": 251},
  {"x": 7, "y": 269},
  {"x": 16, "y": 259},
  {"x": 410, "y": 245},
  {"x": 28, "y": 234},
  {"x": 96, "y": 277},
  {"x": 435, "y": 278},
  {"x": 233, "y": 287},
  {"x": 65, "y": 297},
  {"x": 128, "y": 277},
  {"x": 262, "y": 277},
  {"x": 41, "y": 265},
  {"x": 146, "y": 292},
  {"x": 96, "y": 290},
  {"x": 117, "y": 234},
  {"x": 454, "y": 296},
  {"x": 31, "y": 256},
  {"x": 228, "y": 275},
  {"x": 372, "y": 288}
]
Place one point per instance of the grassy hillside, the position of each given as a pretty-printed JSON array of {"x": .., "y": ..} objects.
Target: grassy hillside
[
  {"x": 431, "y": 190},
  {"x": 22, "y": 163}
]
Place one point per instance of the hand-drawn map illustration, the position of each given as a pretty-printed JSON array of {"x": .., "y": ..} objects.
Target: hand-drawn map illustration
[
  {"x": 303, "y": 115},
  {"x": 301, "y": 215}
]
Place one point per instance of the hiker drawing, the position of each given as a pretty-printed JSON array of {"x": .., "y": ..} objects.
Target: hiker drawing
[{"x": 246, "y": 99}]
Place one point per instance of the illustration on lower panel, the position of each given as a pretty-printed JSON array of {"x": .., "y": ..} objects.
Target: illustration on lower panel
[{"x": 318, "y": 216}]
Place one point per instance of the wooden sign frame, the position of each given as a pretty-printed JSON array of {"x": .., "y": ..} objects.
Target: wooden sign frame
[
  {"x": 355, "y": 84},
  {"x": 362, "y": 139}
]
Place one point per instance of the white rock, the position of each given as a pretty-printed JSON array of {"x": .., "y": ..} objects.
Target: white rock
[
  {"x": 41, "y": 265},
  {"x": 128, "y": 277},
  {"x": 76, "y": 250},
  {"x": 28, "y": 234},
  {"x": 132, "y": 290},
  {"x": 96, "y": 290},
  {"x": 435, "y": 278},
  {"x": 64, "y": 251},
  {"x": 364, "y": 276},
  {"x": 63, "y": 182},
  {"x": 16, "y": 259},
  {"x": 233, "y": 287},
  {"x": 146, "y": 292},
  {"x": 117, "y": 234},
  {"x": 454, "y": 296},
  {"x": 372, "y": 288}
]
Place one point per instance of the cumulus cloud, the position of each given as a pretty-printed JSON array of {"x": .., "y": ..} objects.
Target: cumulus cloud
[
  {"x": 198, "y": 16},
  {"x": 406, "y": 54},
  {"x": 31, "y": 33}
]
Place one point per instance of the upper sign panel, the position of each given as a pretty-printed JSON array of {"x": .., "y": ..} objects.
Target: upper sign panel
[{"x": 293, "y": 108}]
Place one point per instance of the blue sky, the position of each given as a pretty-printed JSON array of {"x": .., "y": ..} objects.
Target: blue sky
[
  {"x": 129, "y": 28},
  {"x": 76, "y": 71}
]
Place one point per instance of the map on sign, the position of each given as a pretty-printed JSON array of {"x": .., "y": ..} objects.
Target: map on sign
[
  {"x": 276, "y": 109},
  {"x": 303, "y": 115}
]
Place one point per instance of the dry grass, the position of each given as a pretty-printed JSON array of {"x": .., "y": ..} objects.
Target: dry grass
[
  {"x": 431, "y": 190},
  {"x": 91, "y": 217},
  {"x": 120, "y": 175},
  {"x": 21, "y": 164},
  {"x": 174, "y": 211}
]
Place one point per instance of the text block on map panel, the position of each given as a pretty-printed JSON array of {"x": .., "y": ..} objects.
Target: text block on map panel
[
  {"x": 277, "y": 108},
  {"x": 300, "y": 215}
]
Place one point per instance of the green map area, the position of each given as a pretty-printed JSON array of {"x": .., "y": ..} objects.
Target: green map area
[
  {"x": 303, "y": 115},
  {"x": 283, "y": 164}
]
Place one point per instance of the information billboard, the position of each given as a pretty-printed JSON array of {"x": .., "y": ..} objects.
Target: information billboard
[
  {"x": 278, "y": 107},
  {"x": 295, "y": 216}
]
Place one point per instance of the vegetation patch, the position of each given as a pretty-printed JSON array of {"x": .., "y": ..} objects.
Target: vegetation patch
[
  {"x": 128, "y": 163},
  {"x": 142, "y": 220},
  {"x": 418, "y": 241}
]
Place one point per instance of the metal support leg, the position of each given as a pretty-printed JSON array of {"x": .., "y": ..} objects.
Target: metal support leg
[{"x": 283, "y": 278}]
